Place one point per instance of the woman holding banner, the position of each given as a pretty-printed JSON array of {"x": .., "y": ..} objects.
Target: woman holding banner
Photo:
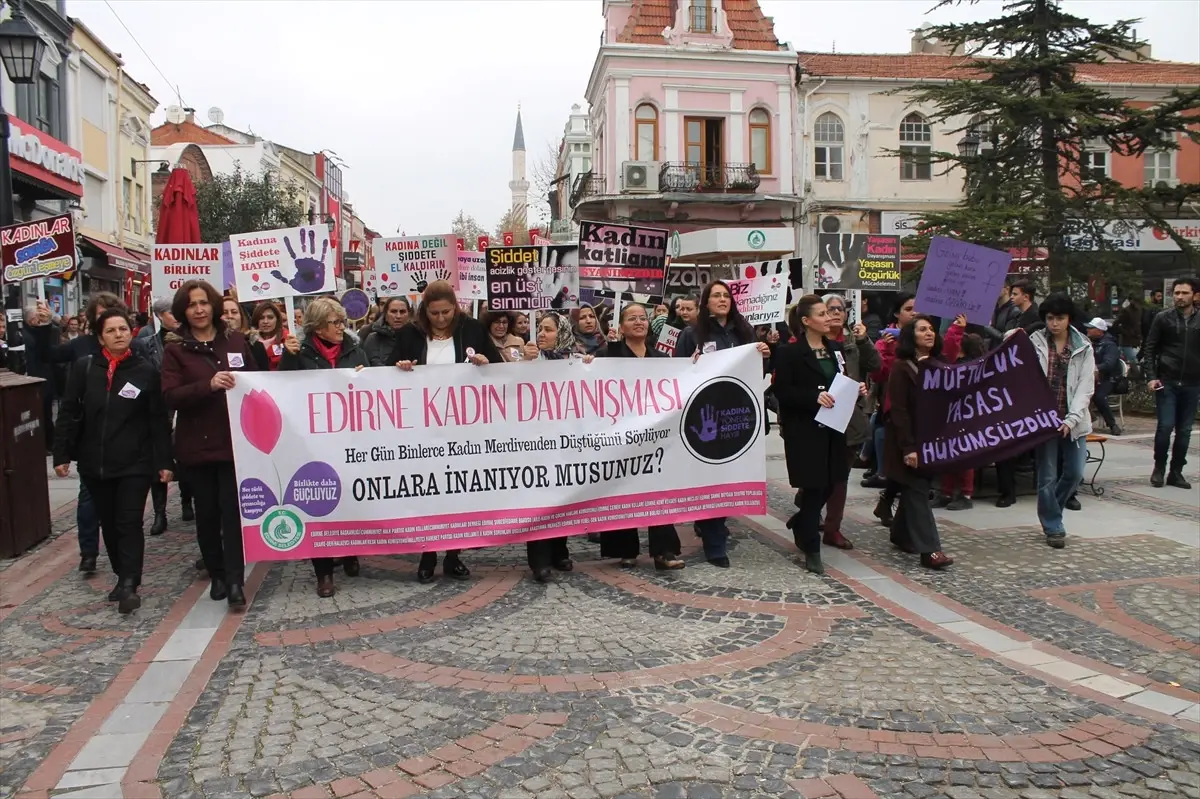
[
  {"x": 634, "y": 325},
  {"x": 201, "y": 361},
  {"x": 442, "y": 335},
  {"x": 326, "y": 345},
  {"x": 590, "y": 338},
  {"x": 914, "y": 528},
  {"x": 718, "y": 326},
  {"x": 555, "y": 341},
  {"x": 818, "y": 459},
  {"x": 379, "y": 343}
]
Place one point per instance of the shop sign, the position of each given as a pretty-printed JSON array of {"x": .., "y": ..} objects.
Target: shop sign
[
  {"x": 44, "y": 158},
  {"x": 39, "y": 249}
]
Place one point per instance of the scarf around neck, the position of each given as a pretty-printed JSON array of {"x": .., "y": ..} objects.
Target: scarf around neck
[
  {"x": 329, "y": 352},
  {"x": 113, "y": 362}
]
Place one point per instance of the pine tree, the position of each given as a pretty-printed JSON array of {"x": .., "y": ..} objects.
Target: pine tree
[{"x": 1034, "y": 119}]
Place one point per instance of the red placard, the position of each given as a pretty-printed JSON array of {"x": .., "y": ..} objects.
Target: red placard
[
  {"x": 508, "y": 238},
  {"x": 482, "y": 243}
]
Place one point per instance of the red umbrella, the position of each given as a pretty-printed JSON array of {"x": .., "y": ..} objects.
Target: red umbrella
[{"x": 178, "y": 218}]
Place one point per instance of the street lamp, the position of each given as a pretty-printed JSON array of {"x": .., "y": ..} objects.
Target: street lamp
[
  {"x": 21, "y": 50},
  {"x": 968, "y": 146}
]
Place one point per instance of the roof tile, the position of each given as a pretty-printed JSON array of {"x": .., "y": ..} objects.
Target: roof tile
[
  {"x": 751, "y": 29},
  {"x": 189, "y": 132},
  {"x": 926, "y": 66}
]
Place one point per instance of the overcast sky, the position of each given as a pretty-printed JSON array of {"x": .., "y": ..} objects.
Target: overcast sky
[{"x": 419, "y": 97}]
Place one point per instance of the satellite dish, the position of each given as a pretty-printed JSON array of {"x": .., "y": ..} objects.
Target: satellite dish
[
  {"x": 216, "y": 115},
  {"x": 175, "y": 114}
]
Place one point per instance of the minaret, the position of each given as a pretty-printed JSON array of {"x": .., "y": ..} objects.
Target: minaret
[{"x": 519, "y": 186}]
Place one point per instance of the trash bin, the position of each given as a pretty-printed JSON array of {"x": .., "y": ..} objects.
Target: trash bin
[{"x": 24, "y": 484}]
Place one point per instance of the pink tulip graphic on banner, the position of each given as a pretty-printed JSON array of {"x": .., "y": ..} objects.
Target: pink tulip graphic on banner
[{"x": 261, "y": 421}]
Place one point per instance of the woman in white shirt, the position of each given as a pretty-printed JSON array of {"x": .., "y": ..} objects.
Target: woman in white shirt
[{"x": 442, "y": 335}]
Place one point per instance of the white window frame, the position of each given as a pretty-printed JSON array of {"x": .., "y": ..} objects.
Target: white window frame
[
  {"x": 1158, "y": 155},
  {"x": 89, "y": 105},
  {"x": 1090, "y": 155},
  {"x": 913, "y": 146},
  {"x": 825, "y": 150}
]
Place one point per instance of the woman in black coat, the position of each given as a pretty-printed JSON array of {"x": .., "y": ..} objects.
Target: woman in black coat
[
  {"x": 664, "y": 541},
  {"x": 114, "y": 424},
  {"x": 442, "y": 335},
  {"x": 817, "y": 457},
  {"x": 326, "y": 346}
]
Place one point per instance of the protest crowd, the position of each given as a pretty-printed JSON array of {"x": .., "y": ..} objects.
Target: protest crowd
[{"x": 921, "y": 402}]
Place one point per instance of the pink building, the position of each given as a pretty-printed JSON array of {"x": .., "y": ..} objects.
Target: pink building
[{"x": 691, "y": 106}]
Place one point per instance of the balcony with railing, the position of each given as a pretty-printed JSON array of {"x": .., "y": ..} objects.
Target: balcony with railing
[
  {"x": 685, "y": 176},
  {"x": 588, "y": 184}
]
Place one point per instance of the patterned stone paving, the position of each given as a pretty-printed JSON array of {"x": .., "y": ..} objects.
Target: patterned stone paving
[{"x": 761, "y": 680}]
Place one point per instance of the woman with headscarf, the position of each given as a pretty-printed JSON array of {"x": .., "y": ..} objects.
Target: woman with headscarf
[
  {"x": 396, "y": 313},
  {"x": 718, "y": 326},
  {"x": 555, "y": 341},
  {"x": 590, "y": 339},
  {"x": 442, "y": 335},
  {"x": 664, "y": 541}
]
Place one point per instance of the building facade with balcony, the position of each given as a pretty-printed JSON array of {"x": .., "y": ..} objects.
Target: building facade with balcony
[
  {"x": 574, "y": 159},
  {"x": 47, "y": 167},
  {"x": 691, "y": 110},
  {"x": 105, "y": 114},
  {"x": 852, "y": 124}
]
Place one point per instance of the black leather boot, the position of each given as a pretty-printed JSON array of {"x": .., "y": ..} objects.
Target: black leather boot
[
  {"x": 127, "y": 596},
  {"x": 158, "y": 495}
]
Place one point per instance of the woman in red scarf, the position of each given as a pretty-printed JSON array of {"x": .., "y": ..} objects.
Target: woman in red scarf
[
  {"x": 326, "y": 345},
  {"x": 267, "y": 319},
  {"x": 114, "y": 424}
]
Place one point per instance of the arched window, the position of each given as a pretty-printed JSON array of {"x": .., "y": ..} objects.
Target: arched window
[
  {"x": 646, "y": 119},
  {"x": 916, "y": 146},
  {"x": 829, "y": 153},
  {"x": 760, "y": 140}
]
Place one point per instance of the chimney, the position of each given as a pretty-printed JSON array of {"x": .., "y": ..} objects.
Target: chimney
[{"x": 191, "y": 116}]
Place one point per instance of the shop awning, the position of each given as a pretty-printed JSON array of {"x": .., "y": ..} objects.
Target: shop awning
[{"x": 118, "y": 256}]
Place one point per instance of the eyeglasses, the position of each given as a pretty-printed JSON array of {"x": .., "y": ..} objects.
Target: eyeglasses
[
  {"x": 636, "y": 319},
  {"x": 835, "y": 309},
  {"x": 336, "y": 322}
]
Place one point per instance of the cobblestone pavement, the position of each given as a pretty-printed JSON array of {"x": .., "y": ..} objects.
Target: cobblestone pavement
[{"x": 878, "y": 679}]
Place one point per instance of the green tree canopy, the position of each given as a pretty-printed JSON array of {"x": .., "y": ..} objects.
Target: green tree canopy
[{"x": 242, "y": 203}]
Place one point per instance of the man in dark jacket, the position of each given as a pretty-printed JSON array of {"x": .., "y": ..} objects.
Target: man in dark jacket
[
  {"x": 1108, "y": 369},
  {"x": 1026, "y": 314},
  {"x": 1005, "y": 312},
  {"x": 149, "y": 346},
  {"x": 1171, "y": 363}
]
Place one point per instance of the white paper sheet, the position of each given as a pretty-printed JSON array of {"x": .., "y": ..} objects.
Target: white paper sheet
[{"x": 845, "y": 396}]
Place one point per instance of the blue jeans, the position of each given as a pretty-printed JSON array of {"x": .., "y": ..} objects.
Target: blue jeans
[
  {"x": 715, "y": 536},
  {"x": 1176, "y": 405},
  {"x": 87, "y": 522},
  {"x": 1056, "y": 487}
]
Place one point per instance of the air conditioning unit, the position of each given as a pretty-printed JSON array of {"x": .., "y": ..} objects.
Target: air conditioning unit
[
  {"x": 639, "y": 177},
  {"x": 834, "y": 223}
]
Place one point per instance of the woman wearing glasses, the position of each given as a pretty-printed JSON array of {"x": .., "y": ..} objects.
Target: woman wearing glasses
[{"x": 326, "y": 345}]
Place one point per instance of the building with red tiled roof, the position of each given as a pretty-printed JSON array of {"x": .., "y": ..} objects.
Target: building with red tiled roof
[
  {"x": 851, "y": 120},
  {"x": 691, "y": 118},
  {"x": 186, "y": 131}
]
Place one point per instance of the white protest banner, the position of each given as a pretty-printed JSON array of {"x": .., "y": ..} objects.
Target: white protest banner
[
  {"x": 337, "y": 462},
  {"x": 472, "y": 275},
  {"x": 408, "y": 265},
  {"x": 761, "y": 300},
  {"x": 668, "y": 339},
  {"x": 172, "y": 265},
  {"x": 284, "y": 263}
]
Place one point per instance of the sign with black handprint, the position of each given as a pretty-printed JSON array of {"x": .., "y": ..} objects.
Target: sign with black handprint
[
  {"x": 290, "y": 262},
  {"x": 532, "y": 278},
  {"x": 847, "y": 261},
  {"x": 407, "y": 265},
  {"x": 721, "y": 420}
]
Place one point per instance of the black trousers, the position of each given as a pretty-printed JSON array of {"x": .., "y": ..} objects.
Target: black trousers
[
  {"x": 218, "y": 520},
  {"x": 626, "y": 545},
  {"x": 806, "y": 522},
  {"x": 324, "y": 567},
  {"x": 158, "y": 496},
  {"x": 429, "y": 560},
  {"x": 121, "y": 505},
  {"x": 1006, "y": 477},
  {"x": 545, "y": 553},
  {"x": 914, "y": 522}
]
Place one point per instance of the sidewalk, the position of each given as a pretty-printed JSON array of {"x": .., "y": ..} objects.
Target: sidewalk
[{"x": 1020, "y": 673}]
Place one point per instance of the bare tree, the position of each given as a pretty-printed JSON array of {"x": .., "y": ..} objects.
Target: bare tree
[
  {"x": 541, "y": 179},
  {"x": 515, "y": 223},
  {"x": 466, "y": 228}
]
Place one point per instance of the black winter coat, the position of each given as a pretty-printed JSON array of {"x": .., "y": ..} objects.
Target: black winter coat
[
  {"x": 1172, "y": 348},
  {"x": 379, "y": 342},
  {"x": 110, "y": 432},
  {"x": 816, "y": 455},
  {"x": 412, "y": 344},
  {"x": 619, "y": 349},
  {"x": 352, "y": 356}
]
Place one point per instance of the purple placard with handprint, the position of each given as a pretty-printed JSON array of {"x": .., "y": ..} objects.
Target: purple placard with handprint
[
  {"x": 283, "y": 263},
  {"x": 407, "y": 265}
]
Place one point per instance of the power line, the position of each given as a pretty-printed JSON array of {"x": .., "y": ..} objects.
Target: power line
[{"x": 143, "y": 49}]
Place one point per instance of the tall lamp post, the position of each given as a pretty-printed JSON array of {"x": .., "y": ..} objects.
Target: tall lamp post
[{"x": 21, "y": 50}]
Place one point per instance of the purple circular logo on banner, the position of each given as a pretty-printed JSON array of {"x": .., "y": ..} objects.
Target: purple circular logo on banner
[
  {"x": 357, "y": 304},
  {"x": 255, "y": 498},
  {"x": 315, "y": 489}
]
